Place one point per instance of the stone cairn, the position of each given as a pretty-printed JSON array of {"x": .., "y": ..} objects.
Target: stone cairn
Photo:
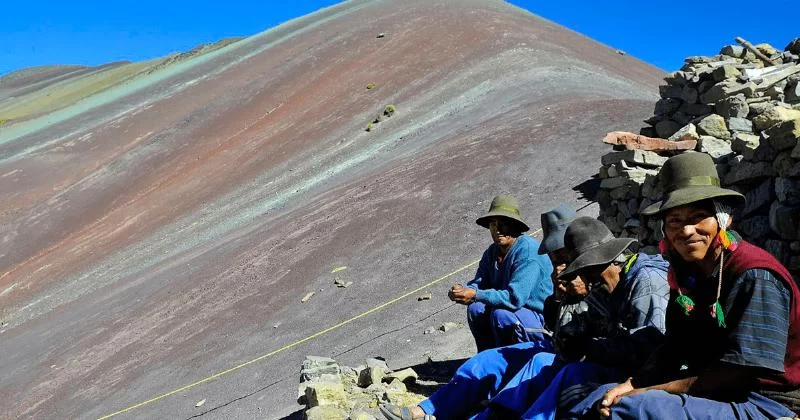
[
  {"x": 742, "y": 107},
  {"x": 334, "y": 392}
]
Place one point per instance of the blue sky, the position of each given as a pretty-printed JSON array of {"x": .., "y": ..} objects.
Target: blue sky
[{"x": 36, "y": 32}]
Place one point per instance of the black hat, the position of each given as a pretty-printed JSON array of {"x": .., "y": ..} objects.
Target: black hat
[{"x": 591, "y": 243}]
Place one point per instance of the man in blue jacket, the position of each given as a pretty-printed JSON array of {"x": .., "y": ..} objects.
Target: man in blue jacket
[{"x": 506, "y": 298}]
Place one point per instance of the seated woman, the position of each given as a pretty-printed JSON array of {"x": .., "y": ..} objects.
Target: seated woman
[{"x": 733, "y": 333}]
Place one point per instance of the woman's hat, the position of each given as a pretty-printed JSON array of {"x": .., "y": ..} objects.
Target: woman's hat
[
  {"x": 554, "y": 225},
  {"x": 591, "y": 243},
  {"x": 504, "y": 206},
  {"x": 688, "y": 178}
]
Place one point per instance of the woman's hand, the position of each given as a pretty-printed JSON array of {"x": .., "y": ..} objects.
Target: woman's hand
[{"x": 613, "y": 395}]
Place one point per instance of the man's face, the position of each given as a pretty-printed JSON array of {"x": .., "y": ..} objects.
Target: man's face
[
  {"x": 572, "y": 287},
  {"x": 691, "y": 230},
  {"x": 502, "y": 231},
  {"x": 602, "y": 276}
]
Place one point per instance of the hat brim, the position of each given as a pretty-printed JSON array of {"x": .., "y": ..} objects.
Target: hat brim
[
  {"x": 484, "y": 220},
  {"x": 689, "y": 195},
  {"x": 553, "y": 241},
  {"x": 599, "y": 255}
]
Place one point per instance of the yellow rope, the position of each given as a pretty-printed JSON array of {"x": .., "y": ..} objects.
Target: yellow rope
[{"x": 296, "y": 343}]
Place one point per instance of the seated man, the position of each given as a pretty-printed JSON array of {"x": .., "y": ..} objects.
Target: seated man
[
  {"x": 480, "y": 377},
  {"x": 506, "y": 298},
  {"x": 621, "y": 333},
  {"x": 626, "y": 321},
  {"x": 733, "y": 324}
]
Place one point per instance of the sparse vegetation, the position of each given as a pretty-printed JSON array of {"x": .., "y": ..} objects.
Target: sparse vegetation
[
  {"x": 4, "y": 121},
  {"x": 377, "y": 119},
  {"x": 389, "y": 110},
  {"x": 371, "y": 86},
  {"x": 369, "y": 128}
]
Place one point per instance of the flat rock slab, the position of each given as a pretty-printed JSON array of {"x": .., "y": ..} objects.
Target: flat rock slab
[{"x": 633, "y": 141}]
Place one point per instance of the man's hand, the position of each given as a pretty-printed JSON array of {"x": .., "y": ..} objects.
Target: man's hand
[
  {"x": 613, "y": 395},
  {"x": 461, "y": 294}
]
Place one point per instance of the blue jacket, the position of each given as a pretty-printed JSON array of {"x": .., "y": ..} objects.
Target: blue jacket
[
  {"x": 636, "y": 318},
  {"x": 522, "y": 280}
]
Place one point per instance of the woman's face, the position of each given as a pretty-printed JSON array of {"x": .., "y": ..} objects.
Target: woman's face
[{"x": 691, "y": 230}]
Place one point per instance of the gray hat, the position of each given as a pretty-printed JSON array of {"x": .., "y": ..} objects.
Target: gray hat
[
  {"x": 504, "y": 206},
  {"x": 554, "y": 224},
  {"x": 591, "y": 243},
  {"x": 688, "y": 178}
]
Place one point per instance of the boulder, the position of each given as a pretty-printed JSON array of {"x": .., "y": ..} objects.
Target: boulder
[
  {"x": 725, "y": 72},
  {"x": 670, "y": 91},
  {"x": 745, "y": 144},
  {"x": 666, "y": 106},
  {"x": 733, "y": 107},
  {"x": 787, "y": 191},
  {"x": 792, "y": 92},
  {"x": 767, "y": 50},
  {"x": 714, "y": 147},
  {"x": 406, "y": 375},
  {"x": 794, "y": 46},
  {"x": 779, "y": 249},
  {"x": 783, "y": 164},
  {"x": 765, "y": 152},
  {"x": 326, "y": 394},
  {"x": 785, "y": 220},
  {"x": 759, "y": 197},
  {"x": 794, "y": 171},
  {"x": 371, "y": 375},
  {"x": 635, "y": 157},
  {"x": 736, "y": 51},
  {"x": 714, "y": 125},
  {"x": 687, "y": 132},
  {"x": 748, "y": 171},
  {"x": 633, "y": 141},
  {"x": 696, "y": 110},
  {"x": 326, "y": 413},
  {"x": 784, "y": 135},
  {"x": 754, "y": 228},
  {"x": 313, "y": 367},
  {"x": 666, "y": 128},
  {"x": 725, "y": 89},
  {"x": 775, "y": 115},
  {"x": 741, "y": 125},
  {"x": 362, "y": 415}
]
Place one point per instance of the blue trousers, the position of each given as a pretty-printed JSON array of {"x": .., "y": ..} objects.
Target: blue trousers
[
  {"x": 663, "y": 405},
  {"x": 524, "y": 387},
  {"x": 572, "y": 383},
  {"x": 479, "y": 379},
  {"x": 495, "y": 327}
]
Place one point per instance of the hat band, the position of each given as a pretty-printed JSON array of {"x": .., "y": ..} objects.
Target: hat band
[
  {"x": 511, "y": 210},
  {"x": 695, "y": 181}
]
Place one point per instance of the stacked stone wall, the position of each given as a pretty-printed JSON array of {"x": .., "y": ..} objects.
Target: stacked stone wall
[{"x": 742, "y": 107}]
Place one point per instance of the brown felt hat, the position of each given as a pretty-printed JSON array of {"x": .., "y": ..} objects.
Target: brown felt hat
[
  {"x": 590, "y": 243},
  {"x": 688, "y": 178},
  {"x": 504, "y": 206}
]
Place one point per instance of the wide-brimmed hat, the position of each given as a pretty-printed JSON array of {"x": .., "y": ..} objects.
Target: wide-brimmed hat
[
  {"x": 591, "y": 243},
  {"x": 505, "y": 206},
  {"x": 554, "y": 224},
  {"x": 688, "y": 178}
]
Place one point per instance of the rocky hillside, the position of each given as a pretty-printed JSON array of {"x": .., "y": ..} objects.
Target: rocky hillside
[{"x": 165, "y": 228}]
